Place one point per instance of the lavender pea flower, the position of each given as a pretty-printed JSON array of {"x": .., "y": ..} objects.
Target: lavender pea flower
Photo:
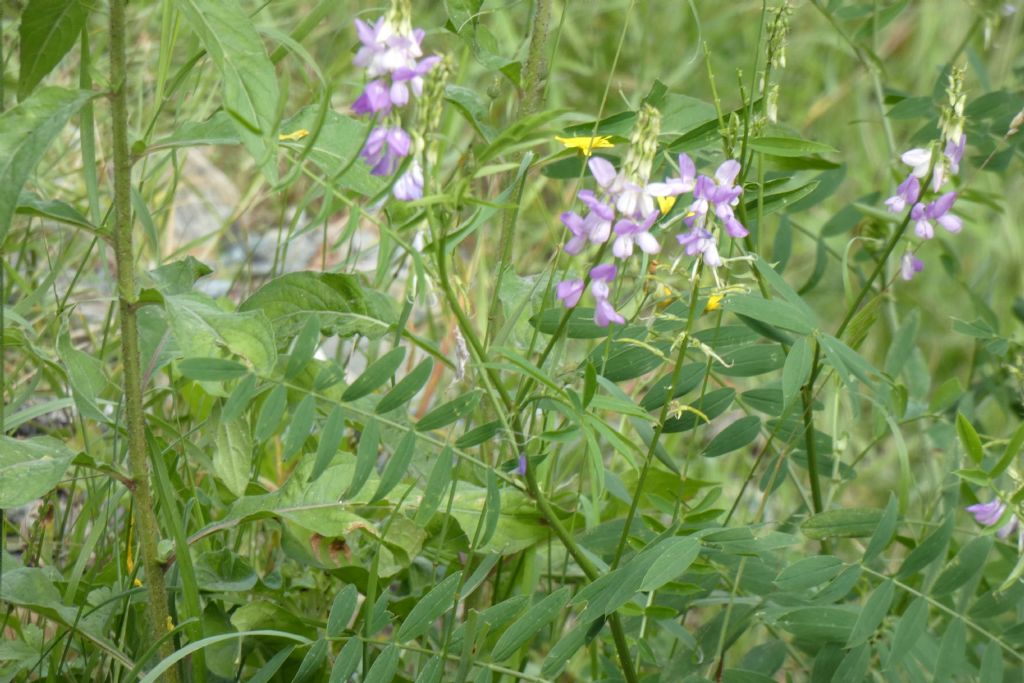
[
  {"x": 410, "y": 185},
  {"x": 673, "y": 187},
  {"x": 375, "y": 99},
  {"x": 601, "y": 276},
  {"x": 910, "y": 266},
  {"x": 700, "y": 241},
  {"x": 908, "y": 192},
  {"x": 630, "y": 233},
  {"x": 569, "y": 291},
  {"x": 990, "y": 513},
  {"x": 384, "y": 147}
]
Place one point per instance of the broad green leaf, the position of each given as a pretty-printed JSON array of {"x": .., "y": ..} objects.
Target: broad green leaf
[
  {"x": 29, "y": 468},
  {"x": 788, "y": 147},
  {"x": 538, "y": 616},
  {"x": 342, "y": 609},
  {"x": 431, "y": 606},
  {"x": 240, "y": 398},
  {"x": 437, "y": 484},
  {"x": 26, "y": 131},
  {"x": 202, "y": 330},
  {"x": 396, "y": 467},
  {"x": 385, "y": 666},
  {"x": 224, "y": 571},
  {"x": 378, "y": 372},
  {"x": 625, "y": 361},
  {"x": 271, "y": 413},
  {"x": 366, "y": 457},
  {"x": 771, "y": 311},
  {"x": 797, "y": 369},
  {"x": 964, "y": 567},
  {"x": 842, "y": 523},
  {"x": 51, "y": 209},
  {"x": 407, "y": 387},
  {"x": 969, "y": 439},
  {"x": 299, "y": 427},
  {"x": 735, "y": 436},
  {"x": 232, "y": 459},
  {"x": 478, "y": 435},
  {"x": 343, "y": 306},
  {"x": 809, "y": 572},
  {"x": 338, "y": 142},
  {"x": 930, "y": 549},
  {"x": 48, "y": 30},
  {"x": 330, "y": 441},
  {"x": 247, "y": 75},
  {"x": 496, "y": 616},
  {"x": 449, "y": 412},
  {"x": 871, "y": 615},
  {"x": 519, "y": 524},
  {"x": 211, "y": 369}
]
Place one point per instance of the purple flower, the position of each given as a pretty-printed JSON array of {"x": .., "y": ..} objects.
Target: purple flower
[
  {"x": 700, "y": 241},
  {"x": 955, "y": 153},
  {"x": 578, "y": 228},
  {"x": 386, "y": 48},
  {"x": 414, "y": 76},
  {"x": 731, "y": 223},
  {"x": 937, "y": 211},
  {"x": 630, "y": 233},
  {"x": 569, "y": 291},
  {"x": 990, "y": 513},
  {"x": 630, "y": 199},
  {"x": 521, "y": 466},
  {"x": 910, "y": 266},
  {"x": 908, "y": 192},
  {"x": 919, "y": 161},
  {"x": 375, "y": 98},
  {"x": 384, "y": 147},
  {"x": 673, "y": 187},
  {"x": 601, "y": 276},
  {"x": 409, "y": 185}
]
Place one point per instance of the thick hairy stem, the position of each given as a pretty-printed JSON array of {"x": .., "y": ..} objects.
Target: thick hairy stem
[
  {"x": 536, "y": 65},
  {"x": 145, "y": 516}
]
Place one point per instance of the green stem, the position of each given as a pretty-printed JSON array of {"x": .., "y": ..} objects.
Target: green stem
[
  {"x": 145, "y": 515},
  {"x": 812, "y": 455},
  {"x": 534, "y": 76},
  {"x": 662, "y": 418}
]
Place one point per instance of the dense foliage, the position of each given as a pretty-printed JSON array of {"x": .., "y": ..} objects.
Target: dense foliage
[{"x": 478, "y": 341}]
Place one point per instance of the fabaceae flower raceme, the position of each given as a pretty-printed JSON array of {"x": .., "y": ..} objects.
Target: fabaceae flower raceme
[
  {"x": 390, "y": 51},
  {"x": 988, "y": 514}
]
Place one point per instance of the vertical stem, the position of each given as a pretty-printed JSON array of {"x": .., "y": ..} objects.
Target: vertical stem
[
  {"x": 145, "y": 516},
  {"x": 812, "y": 454},
  {"x": 534, "y": 76}
]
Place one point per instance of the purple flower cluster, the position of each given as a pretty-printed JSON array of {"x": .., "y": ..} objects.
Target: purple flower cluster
[
  {"x": 391, "y": 54},
  {"x": 988, "y": 514},
  {"x": 926, "y": 215},
  {"x": 627, "y": 209}
]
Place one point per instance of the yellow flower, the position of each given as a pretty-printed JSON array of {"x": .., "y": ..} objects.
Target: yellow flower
[
  {"x": 292, "y": 137},
  {"x": 586, "y": 144},
  {"x": 666, "y": 204},
  {"x": 714, "y": 302}
]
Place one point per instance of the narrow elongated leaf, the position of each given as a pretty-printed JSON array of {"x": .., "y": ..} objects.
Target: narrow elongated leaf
[
  {"x": 797, "y": 369},
  {"x": 407, "y": 387},
  {"x": 538, "y": 616},
  {"x": 232, "y": 459},
  {"x": 969, "y": 439},
  {"x": 690, "y": 376},
  {"x": 330, "y": 441},
  {"x": 788, "y": 147},
  {"x": 378, "y": 372},
  {"x": 565, "y": 648},
  {"x": 366, "y": 458},
  {"x": 809, "y": 572},
  {"x": 85, "y": 375},
  {"x": 701, "y": 411},
  {"x": 845, "y": 523},
  {"x": 240, "y": 398},
  {"x": 827, "y": 624},
  {"x": 271, "y": 413},
  {"x": 1010, "y": 454},
  {"x": 871, "y": 615},
  {"x": 312, "y": 663},
  {"x": 347, "y": 661},
  {"x": 750, "y": 361},
  {"x": 911, "y": 626},
  {"x": 929, "y": 550},
  {"x": 396, "y": 466},
  {"x": 303, "y": 347},
  {"x": 437, "y": 483},
  {"x": 299, "y": 427},
  {"x": 951, "y": 651},
  {"x": 211, "y": 369},
  {"x": 439, "y": 600},
  {"x": 267, "y": 671},
  {"x": 771, "y": 311},
  {"x": 26, "y": 131},
  {"x": 247, "y": 75},
  {"x": 492, "y": 511},
  {"x": 48, "y": 30},
  {"x": 453, "y": 410},
  {"x": 967, "y": 563},
  {"x": 674, "y": 557},
  {"x": 385, "y": 666},
  {"x": 341, "y": 610},
  {"x": 885, "y": 530},
  {"x": 51, "y": 209}
]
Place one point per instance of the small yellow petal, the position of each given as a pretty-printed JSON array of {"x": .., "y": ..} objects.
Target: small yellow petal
[
  {"x": 586, "y": 144},
  {"x": 170, "y": 623},
  {"x": 714, "y": 302},
  {"x": 292, "y": 137},
  {"x": 666, "y": 204},
  {"x": 137, "y": 583}
]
